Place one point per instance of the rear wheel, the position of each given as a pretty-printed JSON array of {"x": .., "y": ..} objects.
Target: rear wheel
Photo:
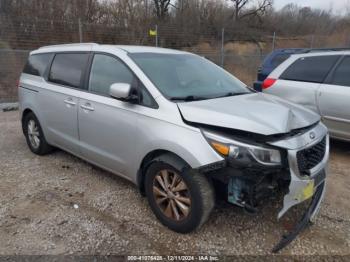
[
  {"x": 181, "y": 201},
  {"x": 34, "y": 135}
]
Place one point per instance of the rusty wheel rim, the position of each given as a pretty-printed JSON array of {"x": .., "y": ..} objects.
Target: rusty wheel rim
[{"x": 172, "y": 195}]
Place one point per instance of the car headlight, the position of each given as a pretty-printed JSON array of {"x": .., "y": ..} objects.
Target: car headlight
[{"x": 242, "y": 152}]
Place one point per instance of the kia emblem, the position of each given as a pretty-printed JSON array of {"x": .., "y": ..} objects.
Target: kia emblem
[{"x": 312, "y": 135}]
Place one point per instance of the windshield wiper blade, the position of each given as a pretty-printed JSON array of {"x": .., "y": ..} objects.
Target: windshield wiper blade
[
  {"x": 196, "y": 98},
  {"x": 188, "y": 98},
  {"x": 232, "y": 94}
]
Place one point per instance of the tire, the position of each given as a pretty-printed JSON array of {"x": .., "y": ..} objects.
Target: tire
[
  {"x": 42, "y": 147},
  {"x": 199, "y": 191}
]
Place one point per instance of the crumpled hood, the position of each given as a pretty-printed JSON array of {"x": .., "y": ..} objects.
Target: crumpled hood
[{"x": 257, "y": 113}]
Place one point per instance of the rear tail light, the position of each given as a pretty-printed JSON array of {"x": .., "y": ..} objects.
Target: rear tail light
[
  {"x": 268, "y": 82},
  {"x": 17, "y": 83}
]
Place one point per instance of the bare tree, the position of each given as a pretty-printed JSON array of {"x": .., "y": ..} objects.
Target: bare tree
[
  {"x": 161, "y": 8},
  {"x": 246, "y": 8}
]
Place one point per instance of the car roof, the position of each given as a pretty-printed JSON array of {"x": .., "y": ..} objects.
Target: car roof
[
  {"x": 282, "y": 67},
  {"x": 81, "y": 47},
  {"x": 288, "y": 50},
  {"x": 308, "y": 50},
  {"x": 267, "y": 62},
  {"x": 328, "y": 53}
]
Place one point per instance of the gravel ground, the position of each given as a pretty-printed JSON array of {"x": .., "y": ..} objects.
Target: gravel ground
[{"x": 59, "y": 204}]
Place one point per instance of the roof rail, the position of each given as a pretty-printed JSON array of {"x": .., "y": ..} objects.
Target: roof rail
[
  {"x": 327, "y": 49},
  {"x": 69, "y": 45}
]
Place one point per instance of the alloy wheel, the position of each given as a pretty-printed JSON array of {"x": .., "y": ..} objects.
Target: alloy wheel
[
  {"x": 172, "y": 195},
  {"x": 33, "y": 134}
]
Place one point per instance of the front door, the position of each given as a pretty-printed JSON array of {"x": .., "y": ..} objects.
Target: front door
[{"x": 107, "y": 126}]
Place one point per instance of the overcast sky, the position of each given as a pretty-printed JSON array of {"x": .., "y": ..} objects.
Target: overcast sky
[{"x": 338, "y": 6}]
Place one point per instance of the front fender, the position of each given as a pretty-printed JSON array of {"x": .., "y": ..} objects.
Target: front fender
[{"x": 187, "y": 143}]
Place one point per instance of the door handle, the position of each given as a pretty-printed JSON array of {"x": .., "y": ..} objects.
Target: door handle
[
  {"x": 88, "y": 107},
  {"x": 69, "y": 101}
]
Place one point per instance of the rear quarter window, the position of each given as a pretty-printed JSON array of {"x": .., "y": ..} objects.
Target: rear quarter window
[
  {"x": 310, "y": 69},
  {"x": 37, "y": 64}
]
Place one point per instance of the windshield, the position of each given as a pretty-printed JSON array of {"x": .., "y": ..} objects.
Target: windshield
[{"x": 188, "y": 77}]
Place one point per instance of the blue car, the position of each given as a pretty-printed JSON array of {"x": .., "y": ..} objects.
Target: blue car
[{"x": 278, "y": 56}]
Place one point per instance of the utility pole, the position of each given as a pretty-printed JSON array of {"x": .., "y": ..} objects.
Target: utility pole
[
  {"x": 312, "y": 41},
  {"x": 222, "y": 47},
  {"x": 156, "y": 35},
  {"x": 146, "y": 8},
  {"x": 80, "y": 31},
  {"x": 273, "y": 41}
]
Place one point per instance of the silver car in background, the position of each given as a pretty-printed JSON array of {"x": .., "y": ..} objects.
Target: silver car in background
[
  {"x": 181, "y": 128},
  {"x": 320, "y": 82}
]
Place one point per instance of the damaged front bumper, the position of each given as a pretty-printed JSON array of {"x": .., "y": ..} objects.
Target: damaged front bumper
[
  {"x": 304, "y": 177},
  {"x": 306, "y": 183}
]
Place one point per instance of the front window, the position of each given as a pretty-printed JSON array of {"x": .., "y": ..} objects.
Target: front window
[
  {"x": 188, "y": 77},
  {"x": 107, "y": 70}
]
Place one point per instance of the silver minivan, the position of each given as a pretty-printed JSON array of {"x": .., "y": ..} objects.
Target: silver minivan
[
  {"x": 181, "y": 128},
  {"x": 320, "y": 82}
]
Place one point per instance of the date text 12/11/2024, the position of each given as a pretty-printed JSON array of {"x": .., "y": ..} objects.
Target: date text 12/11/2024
[{"x": 173, "y": 258}]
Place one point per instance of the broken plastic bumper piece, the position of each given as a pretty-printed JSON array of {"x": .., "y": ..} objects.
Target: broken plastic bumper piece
[{"x": 306, "y": 218}]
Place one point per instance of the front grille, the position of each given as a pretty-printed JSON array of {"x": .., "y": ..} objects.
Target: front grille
[{"x": 310, "y": 157}]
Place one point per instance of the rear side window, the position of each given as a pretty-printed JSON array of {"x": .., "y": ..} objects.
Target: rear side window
[
  {"x": 341, "y": 75},
  {"x": 310, "y": 69},
  {"x": 37, "y": 64},
  {"x": 67, "y": 69}
]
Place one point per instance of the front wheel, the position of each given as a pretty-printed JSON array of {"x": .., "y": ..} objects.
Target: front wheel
[{"x": 181, "y": 201}]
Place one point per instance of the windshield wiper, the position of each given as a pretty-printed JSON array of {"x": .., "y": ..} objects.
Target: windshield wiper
[
  {"x": 196, "y": 98},
  {"x": 232, "y": 94},
  {"x": 188, "y": 98}
]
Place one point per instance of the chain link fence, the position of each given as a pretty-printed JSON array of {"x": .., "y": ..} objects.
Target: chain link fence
[
  {"x": 240, "y": 55},
  {"x": 11, "y": 65}
]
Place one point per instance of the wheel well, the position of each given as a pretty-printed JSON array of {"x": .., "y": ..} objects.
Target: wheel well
[
  {"x": 158, "y": 155},
  {"x": 25, "y": 112}
]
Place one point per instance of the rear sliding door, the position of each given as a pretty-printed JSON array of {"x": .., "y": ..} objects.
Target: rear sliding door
[
  {"x": 60, "y": 99},
  {"x": 300, "y": 82},
  {"x": 334, "y": 100}
]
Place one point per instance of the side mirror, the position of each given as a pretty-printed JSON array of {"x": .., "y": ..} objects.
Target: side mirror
[
  {"x": 120, "y": 90},
  {"x": 124, "y": 92}
]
